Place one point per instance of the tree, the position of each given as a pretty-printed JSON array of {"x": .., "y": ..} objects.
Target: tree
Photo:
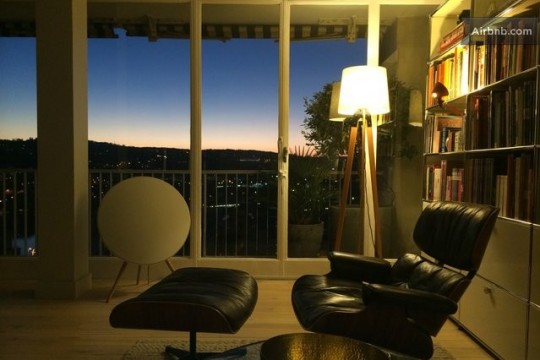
[{"x": 329, "y": 138}]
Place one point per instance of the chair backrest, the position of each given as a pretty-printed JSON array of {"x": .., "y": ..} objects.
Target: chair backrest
[
  {"x": 143, "y": 220},
  {"x": 455, "y": 234}
]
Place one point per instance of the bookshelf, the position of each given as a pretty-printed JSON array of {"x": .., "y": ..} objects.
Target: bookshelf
[{"x": 482, "y": 145}]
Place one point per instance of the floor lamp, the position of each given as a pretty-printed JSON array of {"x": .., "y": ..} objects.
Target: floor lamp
[
  {"x": 347, "y": 169},
  {"x": 364, "y": 92}
]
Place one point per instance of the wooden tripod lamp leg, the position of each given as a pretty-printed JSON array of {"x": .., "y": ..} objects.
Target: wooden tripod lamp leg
[
  {"x": 346, "y": 185},
  {"x": 375, "y": 194}
]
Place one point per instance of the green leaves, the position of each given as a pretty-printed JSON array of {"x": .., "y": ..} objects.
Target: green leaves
[{"x": 310, "y": 190}]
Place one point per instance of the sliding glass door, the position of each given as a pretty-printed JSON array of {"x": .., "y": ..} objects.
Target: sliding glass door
[
  {"x": 324, "y": 40},
  {"x": 239, "y": 97}
]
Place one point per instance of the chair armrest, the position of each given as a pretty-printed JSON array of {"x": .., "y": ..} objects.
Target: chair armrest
[
  {"x": 412, "y": 299},
  {"x": 359, "y": 267}
]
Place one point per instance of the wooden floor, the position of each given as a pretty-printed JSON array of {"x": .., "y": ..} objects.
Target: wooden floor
[{"x": 46, "y": 329}]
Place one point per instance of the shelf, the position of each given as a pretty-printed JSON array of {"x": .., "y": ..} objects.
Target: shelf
[
  {"x": 446, "y": 154},
  {"x": 447, "y": 53},
  {"x": 496, "y": 318},
  {"x": 443, "y": 21},
  {"x": 528, "y": 74},
  {"x": 507, "y": 8},
  {"x": 505, "y": 150},
  {"x": 501, "y": 150},
  {"x": 387, "y": 128},
  {"x": 493, "y": 84},
  {"x": 453, "y": 106}
]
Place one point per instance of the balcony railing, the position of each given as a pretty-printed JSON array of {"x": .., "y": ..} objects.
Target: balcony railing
[
  {"x": 239, "y": 216},
  {"x": 18, "y": 213}
]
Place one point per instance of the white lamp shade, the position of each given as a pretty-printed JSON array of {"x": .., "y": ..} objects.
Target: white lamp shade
[
  {"x": 334, "y": 102},
  {"x": 364, "y": 88}
]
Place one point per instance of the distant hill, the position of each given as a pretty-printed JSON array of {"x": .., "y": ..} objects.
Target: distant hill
[
  {"x": 18, "y": 154},
  {"x": 22, "y": 154}
]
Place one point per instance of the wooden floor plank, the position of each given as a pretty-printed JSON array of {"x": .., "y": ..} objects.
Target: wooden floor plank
[{"x": 48, "y": 329}]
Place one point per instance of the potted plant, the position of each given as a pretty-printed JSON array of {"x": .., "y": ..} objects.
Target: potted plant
[{"x": 310, "y": 194}]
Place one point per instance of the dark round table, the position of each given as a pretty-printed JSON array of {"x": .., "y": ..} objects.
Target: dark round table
[{"x": 311, "y": 346}]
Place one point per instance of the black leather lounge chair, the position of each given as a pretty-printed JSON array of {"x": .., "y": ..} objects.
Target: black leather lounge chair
[{"x": 400, "y": 306}]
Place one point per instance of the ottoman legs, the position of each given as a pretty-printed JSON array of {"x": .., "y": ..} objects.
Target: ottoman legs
[{"x": 192, "y": 354}]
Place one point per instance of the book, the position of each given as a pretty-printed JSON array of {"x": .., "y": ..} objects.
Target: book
[
  {"x": 454, "y": 37},
  {"x": 444, "y": 179},
  {"x": 448, "y": 191},
  {"x": 479, "y": 130},
  {"x": 501, "y": 189},
  {"x": 498, "y": 115},
  {"x": 437, "y": 183},
  {"x": 443, "y": 126},
  {"x": 523, "y": 186},
  {"x": 458, "y": 140},
  {"x": 457, "y": 184},
  {"x": 478, "y": 69},
  {"x": 429, "y": 182},
  {"x": 428, "y": 133},
  {"x": 451, "y": 69}
]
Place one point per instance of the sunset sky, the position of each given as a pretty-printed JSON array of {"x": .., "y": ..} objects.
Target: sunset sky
[{"x": 139, "y": 90}]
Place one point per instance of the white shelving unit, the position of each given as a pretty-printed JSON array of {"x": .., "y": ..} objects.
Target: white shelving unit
[{"x": 493, "y": 86}]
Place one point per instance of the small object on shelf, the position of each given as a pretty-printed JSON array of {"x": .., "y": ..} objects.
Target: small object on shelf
[{"x": 439, "y": 91}]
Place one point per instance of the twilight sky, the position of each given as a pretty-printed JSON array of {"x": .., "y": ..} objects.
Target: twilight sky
[{"x": 139, "y": 90}]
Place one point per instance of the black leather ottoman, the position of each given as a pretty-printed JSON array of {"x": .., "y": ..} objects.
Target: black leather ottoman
[{"x": 208, "y": 300}]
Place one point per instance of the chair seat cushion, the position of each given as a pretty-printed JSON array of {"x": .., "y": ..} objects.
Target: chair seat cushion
[
  {"x": 317, "y": 297},
  {"x": 191, "y": 299}
]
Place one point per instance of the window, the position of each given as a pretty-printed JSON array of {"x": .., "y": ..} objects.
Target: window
[
  {"x": 139, "y": 103},
  {"x": 324, "y": 40},
  {"x": 239, "y": 129},
  {"x": 18, "y": 121}
]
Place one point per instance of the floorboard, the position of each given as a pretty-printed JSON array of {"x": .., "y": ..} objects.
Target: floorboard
[{"x": 52, "y": 329}]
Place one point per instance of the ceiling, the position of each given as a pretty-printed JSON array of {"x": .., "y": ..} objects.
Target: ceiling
[{"x": 170, "y": 19}]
